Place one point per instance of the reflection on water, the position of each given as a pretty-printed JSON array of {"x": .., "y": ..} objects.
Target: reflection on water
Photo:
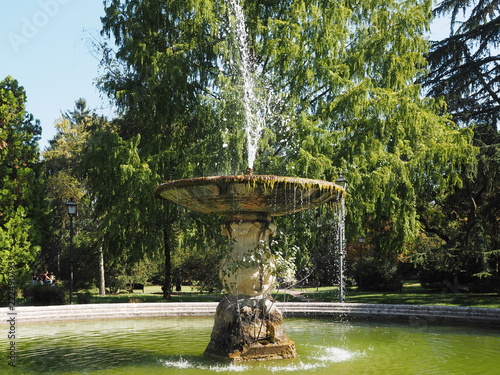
[{"x": 175, "y": 346}]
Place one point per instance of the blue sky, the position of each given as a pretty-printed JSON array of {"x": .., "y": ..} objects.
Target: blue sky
[{"x": 44, "y": 44}]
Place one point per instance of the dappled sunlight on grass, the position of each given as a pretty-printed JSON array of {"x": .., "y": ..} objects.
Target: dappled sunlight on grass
[{"x": 412, "y": 294}]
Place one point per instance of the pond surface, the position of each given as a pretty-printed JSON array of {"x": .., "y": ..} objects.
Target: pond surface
[{"x": 175, "y": 346}]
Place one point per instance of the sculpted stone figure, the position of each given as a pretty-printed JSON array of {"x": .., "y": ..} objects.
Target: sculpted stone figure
[{"x": 249, "y": 267}]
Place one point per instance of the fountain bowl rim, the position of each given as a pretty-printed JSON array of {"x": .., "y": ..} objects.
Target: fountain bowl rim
[
  {"x": 245, "y": 178},
  {"x": 275, "y": 185}
]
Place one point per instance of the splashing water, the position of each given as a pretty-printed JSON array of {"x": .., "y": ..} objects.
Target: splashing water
[
  {"x": 341, "y": 248},
  {"x": 182, "y": 364},
  {"x": 333, "y": 354},
  {"x": 324, "y": 357},
  {"x": 254, "y": 115}
]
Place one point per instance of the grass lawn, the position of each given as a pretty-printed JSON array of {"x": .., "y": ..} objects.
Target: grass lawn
[
  {"x": 412, "y": 294},
  {"x": 154, "y": 294}
]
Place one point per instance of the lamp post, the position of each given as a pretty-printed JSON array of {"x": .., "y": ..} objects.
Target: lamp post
[
  {"x": 342, "y": 182},
  {"x": 71, "y": 208},
  {"x": 361, "y": 240}
]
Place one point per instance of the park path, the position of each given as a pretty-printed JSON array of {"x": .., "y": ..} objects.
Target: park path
[{"x": 300, "y": 296}]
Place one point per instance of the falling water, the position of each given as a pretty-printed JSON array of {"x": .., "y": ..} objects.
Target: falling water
[
  {"x": 341, "y": 247},
  {"x": 254, "y": 115}
]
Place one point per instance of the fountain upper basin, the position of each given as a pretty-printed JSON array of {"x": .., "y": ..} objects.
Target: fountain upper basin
[{"x": 229, "y": 195}]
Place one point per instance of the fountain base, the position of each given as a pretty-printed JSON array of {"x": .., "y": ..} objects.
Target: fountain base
[{"x": 249, "y": 329}]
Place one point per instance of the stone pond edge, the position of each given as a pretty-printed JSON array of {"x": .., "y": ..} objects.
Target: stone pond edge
[{"x": 337, "y": 311}]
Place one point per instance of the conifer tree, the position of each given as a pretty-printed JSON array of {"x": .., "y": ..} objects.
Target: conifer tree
[
  {"x": 21, "y": 190},
  {"x": 464, "y": 70},
  {"x": 465, "y": 66}
]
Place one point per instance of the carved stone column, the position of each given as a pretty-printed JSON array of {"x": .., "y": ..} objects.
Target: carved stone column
[
  {"x": 248, "y": 325},
  {"x": 249, "y": 266}
]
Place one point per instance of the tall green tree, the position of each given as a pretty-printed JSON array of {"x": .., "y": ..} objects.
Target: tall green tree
[
  {"x": 341, "y": 97},
  {"x": 21, "y": 188},
  {"x": 66, "y": 180},
  {"x": 465, "y": 66},
  {"x": 159, "y": 78},
  {"x": 464, "y": 70},
  {"x": 348, "y": 72},
  {"x": 348, "y": 76}
]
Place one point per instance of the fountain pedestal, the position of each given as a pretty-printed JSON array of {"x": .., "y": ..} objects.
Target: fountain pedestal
[
  {"x": 248, "y": 269},
  {"x": 249, "y": 329},
  {"x": 248, "y": 325}
]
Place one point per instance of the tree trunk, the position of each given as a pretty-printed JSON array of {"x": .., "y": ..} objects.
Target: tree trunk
[
  {"x": 102, "y": 285},
  {"x": 167, "y": 282}
]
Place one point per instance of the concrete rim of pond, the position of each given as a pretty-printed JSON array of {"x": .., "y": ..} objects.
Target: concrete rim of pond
[{"x": 338, "y": 311}]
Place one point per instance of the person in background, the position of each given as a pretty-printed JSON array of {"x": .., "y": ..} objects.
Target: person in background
[{"x": 45, "y": 278}]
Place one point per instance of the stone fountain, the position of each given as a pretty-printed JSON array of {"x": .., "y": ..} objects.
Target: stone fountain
[{"x": 248, "y": 325}]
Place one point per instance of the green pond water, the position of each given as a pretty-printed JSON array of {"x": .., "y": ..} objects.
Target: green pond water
[{"x": 175, "y": 346}]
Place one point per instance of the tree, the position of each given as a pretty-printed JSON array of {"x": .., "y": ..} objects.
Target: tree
[
  {"x": 342, "y": 98},
  {"x": 348, "y": 74},
  {"x": 21, "y": 195},
  {"x": 464, "y": 71},
  {"x": 164, "y": 97},
  {"x": 65, "y": 180},
  {"x": 465, "y": 66}
]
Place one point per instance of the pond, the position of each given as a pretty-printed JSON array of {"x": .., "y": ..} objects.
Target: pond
[{"x": 175, "y": 346}]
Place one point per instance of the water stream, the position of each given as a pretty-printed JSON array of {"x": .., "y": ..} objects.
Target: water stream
[
  {"x": 255, "y": 109},
  {"x": 325, "y": 347}
]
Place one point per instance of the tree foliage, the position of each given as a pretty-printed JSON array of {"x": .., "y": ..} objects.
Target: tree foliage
[
  {"x": 66, "y": 180},
  {"x": 21, "y": 198},
  {"x": 339, "y": 80},
  {"x": 465, "y": 66},
  {"x": 464, "y": 71}
]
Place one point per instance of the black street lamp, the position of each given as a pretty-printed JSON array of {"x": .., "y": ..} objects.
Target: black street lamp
[
  {"x": 342, "y": 182},
  {"x": 71, "y": 208}
]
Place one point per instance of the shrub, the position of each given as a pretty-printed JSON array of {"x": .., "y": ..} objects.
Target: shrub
[
  {"x": 372, "y": 274},
  {"x": 116, "y": 282},
  {"x": 46, "y": 295},
  {"x": 84, "y": 298},
  {"x": 433, "y": 279},
  {"x": 485, "y": 285}
]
